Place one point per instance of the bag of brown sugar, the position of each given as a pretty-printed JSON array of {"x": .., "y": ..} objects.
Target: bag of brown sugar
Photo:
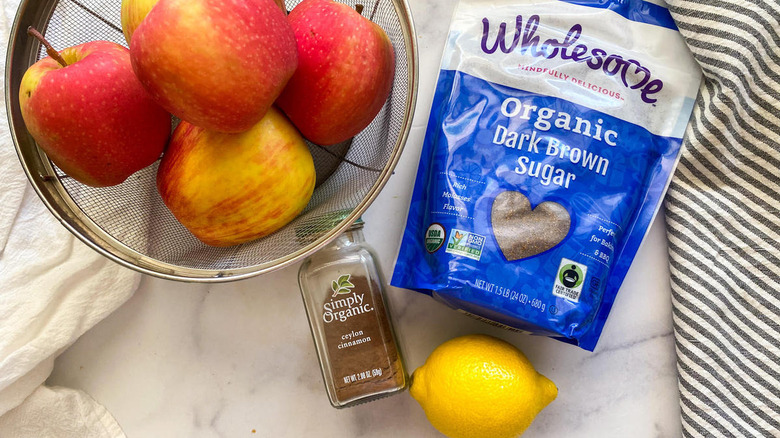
[{"x": 553, "y": 134}]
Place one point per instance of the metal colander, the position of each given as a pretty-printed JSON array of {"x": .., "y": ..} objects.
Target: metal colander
[{"x": 129, "y": 222}]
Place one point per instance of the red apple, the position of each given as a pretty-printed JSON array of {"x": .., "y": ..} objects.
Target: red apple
[
  {"x": 134, "y": 12},
  {"x": 217, "y": 64},
  {"x": 345, "y": 71},
  {"x": 93, "y": 118},
  {"x": 228, "y": 189}
]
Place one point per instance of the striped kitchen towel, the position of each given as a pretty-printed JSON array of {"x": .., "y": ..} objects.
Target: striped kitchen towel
[{"x": 723, "y": 221}]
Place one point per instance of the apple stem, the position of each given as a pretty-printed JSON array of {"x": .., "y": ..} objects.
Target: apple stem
[
  {"x": 359, "y": 8},
  {"x": 33, "y": 32}
]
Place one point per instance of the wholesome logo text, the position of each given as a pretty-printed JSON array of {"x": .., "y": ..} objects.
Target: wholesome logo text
[{"x": 633, "y": 74}]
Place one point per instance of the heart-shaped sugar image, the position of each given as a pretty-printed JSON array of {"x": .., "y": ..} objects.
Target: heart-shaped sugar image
[{"x": 522, "y": 231}]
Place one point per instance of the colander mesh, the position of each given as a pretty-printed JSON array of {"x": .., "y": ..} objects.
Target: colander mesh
[{"x": 133, "y": 212}]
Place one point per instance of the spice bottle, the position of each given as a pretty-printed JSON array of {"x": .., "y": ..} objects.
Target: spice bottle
[{"x": 343, "y": 294}]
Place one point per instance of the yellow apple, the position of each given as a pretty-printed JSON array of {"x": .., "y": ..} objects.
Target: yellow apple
[
  {"x": 228, "y": 189},
  {"x": 133, "y": 13}
]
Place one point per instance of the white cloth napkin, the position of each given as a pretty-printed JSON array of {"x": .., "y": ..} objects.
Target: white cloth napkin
[{"x": 53, "y": 288}]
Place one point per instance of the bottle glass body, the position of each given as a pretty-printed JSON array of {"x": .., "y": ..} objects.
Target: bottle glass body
[{"x": 343, "y": 294}]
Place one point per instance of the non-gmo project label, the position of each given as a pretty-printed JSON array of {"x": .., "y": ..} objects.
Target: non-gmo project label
[{"x": 466, "y": 244}]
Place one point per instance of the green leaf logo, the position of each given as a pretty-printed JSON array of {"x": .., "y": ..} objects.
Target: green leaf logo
[{"x": 342, "y": 285}]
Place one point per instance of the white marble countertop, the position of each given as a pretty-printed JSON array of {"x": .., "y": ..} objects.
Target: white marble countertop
[{"x": 237, "y": 359}]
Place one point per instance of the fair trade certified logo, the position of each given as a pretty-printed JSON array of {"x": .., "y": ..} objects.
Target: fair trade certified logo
[
  {"x": 466, "y": 244},
  {"x": 569, "y": 280}
]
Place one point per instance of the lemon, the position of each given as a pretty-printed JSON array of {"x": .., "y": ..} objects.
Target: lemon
[{"x": 479, "y": 386}]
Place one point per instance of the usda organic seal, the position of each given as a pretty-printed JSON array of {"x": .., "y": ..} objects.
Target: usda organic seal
[{"x": 434, "y": 237}]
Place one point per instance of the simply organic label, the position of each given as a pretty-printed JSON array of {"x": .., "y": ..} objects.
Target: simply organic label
[{"x": 344, "y": 303}]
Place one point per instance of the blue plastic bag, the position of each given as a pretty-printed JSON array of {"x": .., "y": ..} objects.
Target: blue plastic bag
[{"x": 554, "y": 131}]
